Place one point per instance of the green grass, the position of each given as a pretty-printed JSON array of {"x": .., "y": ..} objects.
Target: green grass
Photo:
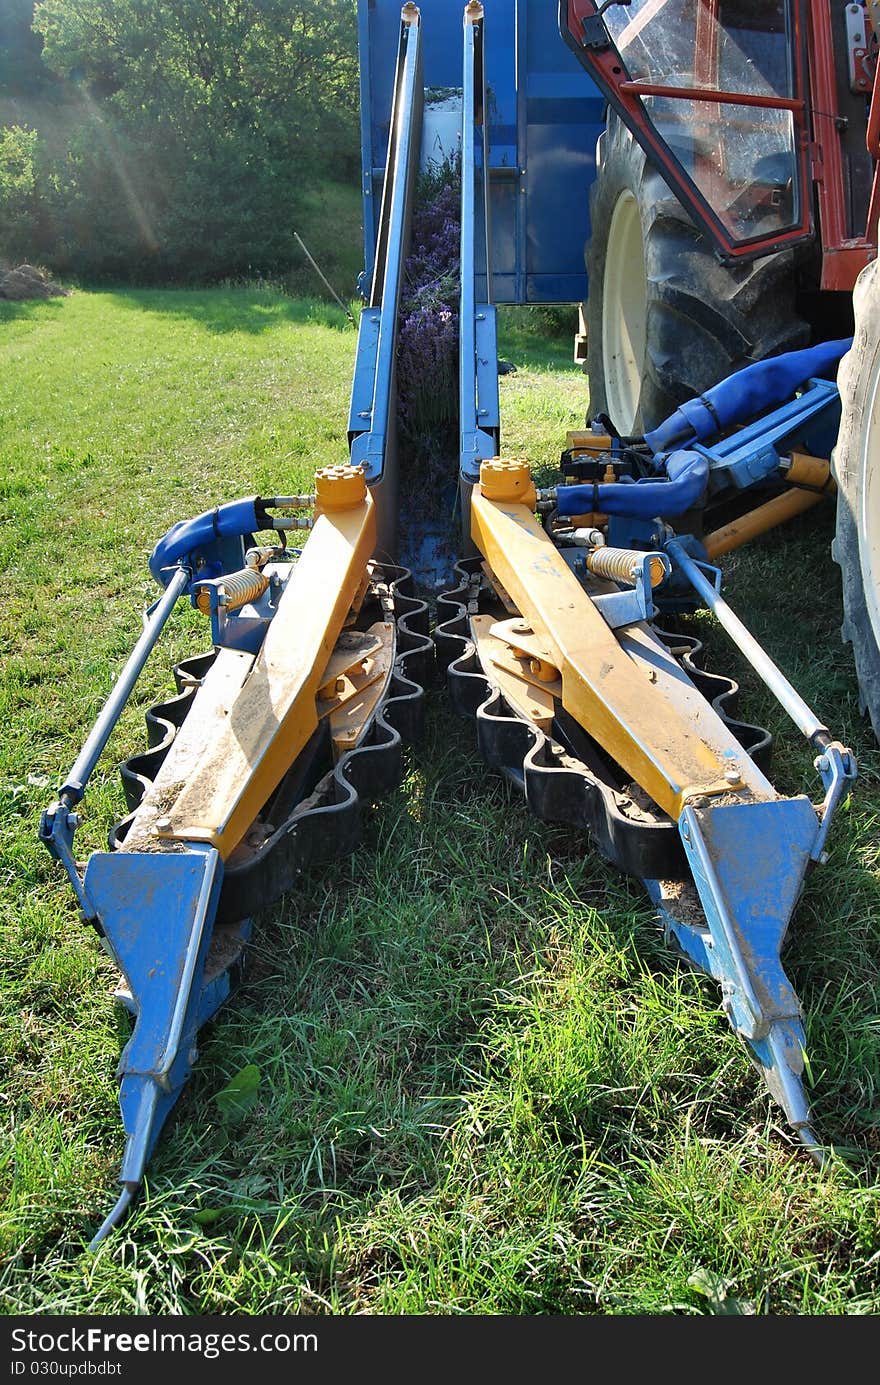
[{"x": 485, "y": 1085}]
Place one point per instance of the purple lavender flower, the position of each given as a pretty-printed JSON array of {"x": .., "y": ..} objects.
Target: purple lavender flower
[{"x": 427, "y": 347}]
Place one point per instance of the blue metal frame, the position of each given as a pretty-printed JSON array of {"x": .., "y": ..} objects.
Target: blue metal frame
[
  {"x": 748, "y": 862},
  {"x": 545, "y": 117},
  {"x": 164, "y": 967},
  {"x": 368, "y": 182},
  {"x": 754, "y": 453},
  {"x": 479, "y": 410},
  {"x": 371, "y": 414}
]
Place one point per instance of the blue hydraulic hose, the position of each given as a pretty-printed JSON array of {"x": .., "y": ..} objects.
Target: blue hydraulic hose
[
  {"x": 740, "y": 397},
  {"x": 233, "y": 520},
  {"x": 687, "y": 473},
  {"x": 745, "y": 394}
]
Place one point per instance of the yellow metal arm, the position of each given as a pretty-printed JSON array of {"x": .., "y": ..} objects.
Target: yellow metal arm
[
  {"x": 623, "y": 688},
  {"x": 259, "y": 729}
]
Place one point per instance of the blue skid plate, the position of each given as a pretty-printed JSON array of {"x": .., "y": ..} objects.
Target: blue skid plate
[
  {"x": 748, "y": 862},
  {"x": 157, "y": 913}
]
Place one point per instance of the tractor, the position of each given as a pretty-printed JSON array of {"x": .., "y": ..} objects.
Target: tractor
[{"x": 733, "y": 217}]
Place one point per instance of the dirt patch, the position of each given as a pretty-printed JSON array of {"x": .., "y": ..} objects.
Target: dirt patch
[
  {"x": 636, "y": 803},
  {"x": 680, "y": 898},
  {"x": 28, "y": 282}
]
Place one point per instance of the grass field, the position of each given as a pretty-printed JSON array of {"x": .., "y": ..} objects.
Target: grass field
[{"x": 485, "y": 1086}]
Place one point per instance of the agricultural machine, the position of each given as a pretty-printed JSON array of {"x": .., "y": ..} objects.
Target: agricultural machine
[{"x": 734, "y": 208}]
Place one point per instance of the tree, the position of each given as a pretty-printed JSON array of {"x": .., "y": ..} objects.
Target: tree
[
  {"x": 275, "y": 67},
  {"x": 21, "y": 71},
  {"x": 194, "y": 128},
  {"x": 18, "y": 183}
]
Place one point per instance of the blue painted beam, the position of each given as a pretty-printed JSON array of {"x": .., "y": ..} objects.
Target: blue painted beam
[
  {"x": 478, "y": 349},
  {"x": 156, "y": 912}
]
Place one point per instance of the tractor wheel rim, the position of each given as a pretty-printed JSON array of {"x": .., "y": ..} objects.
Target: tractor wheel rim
[
  {"x": 624, "y": 313},
  {"x": 868, "y": 518}
]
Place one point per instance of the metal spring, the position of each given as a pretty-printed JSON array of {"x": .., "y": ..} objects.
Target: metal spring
[
  {"x": 618, "y": 563},
  {"x": 235, "y": 590}
]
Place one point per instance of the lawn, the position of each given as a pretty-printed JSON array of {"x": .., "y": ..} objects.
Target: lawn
[{"x": 485, "y": 1086}]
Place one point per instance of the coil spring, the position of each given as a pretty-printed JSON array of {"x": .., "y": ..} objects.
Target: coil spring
[
  {"x": 236, "y": 590},
  {"x": 618, "y": 563}
]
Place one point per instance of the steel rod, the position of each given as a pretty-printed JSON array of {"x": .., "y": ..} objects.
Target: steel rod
[
  {"x": 776, "y": 681},
  {"x": 99, "y": 735}
]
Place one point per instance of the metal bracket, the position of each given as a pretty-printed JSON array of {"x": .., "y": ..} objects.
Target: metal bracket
[
  {"x": 596, "y": 36},
  {"x": 860, "y": 49},
  {"x": 633, "y": 603},
  {"x": 711, "y": 571},
  {"x": 837, "y": 767},
  {"x": 57, "y": 826}
]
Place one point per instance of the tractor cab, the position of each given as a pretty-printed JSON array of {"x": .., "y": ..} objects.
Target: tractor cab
[{"x": 715, "y": 93}]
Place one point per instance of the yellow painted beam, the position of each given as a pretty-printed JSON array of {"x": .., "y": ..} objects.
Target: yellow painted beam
[
  {"x": 760, "y": 521},
  {"x": 804, "y": 471},
  {"x": 644, "y": 722},
  {"x": 204, "y": 721},
  {"x": 271, "y": 718}
]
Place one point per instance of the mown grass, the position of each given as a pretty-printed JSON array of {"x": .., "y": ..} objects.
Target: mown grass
[{"x": 485, "y": 1085}]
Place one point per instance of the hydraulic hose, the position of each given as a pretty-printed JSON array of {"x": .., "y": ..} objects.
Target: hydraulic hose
[
  {"x": 687, "y": 474},
  {"x": 745, "y": 394},
  {"x": 237, "y": 518}
]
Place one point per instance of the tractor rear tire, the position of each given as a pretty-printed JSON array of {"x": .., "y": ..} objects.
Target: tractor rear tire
[
  {"x": 856, "y": 465},
  {"x": 666, "y": 320}
]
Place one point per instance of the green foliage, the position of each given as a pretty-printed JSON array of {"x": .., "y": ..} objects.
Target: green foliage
[
  {"x": 18, "y": 148},
  {"x": 19, "y": 153},
  {"x": 20, "y": 68},
  {"x": 715, "y": 1289},
  {"x": 192, "y": 133},
  {"x": 240, "y": 1093}
]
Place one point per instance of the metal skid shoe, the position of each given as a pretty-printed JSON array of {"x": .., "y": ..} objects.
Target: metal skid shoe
[
  {"x": 607, "y": 723},
  {"x": 256, "y": 769}
]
